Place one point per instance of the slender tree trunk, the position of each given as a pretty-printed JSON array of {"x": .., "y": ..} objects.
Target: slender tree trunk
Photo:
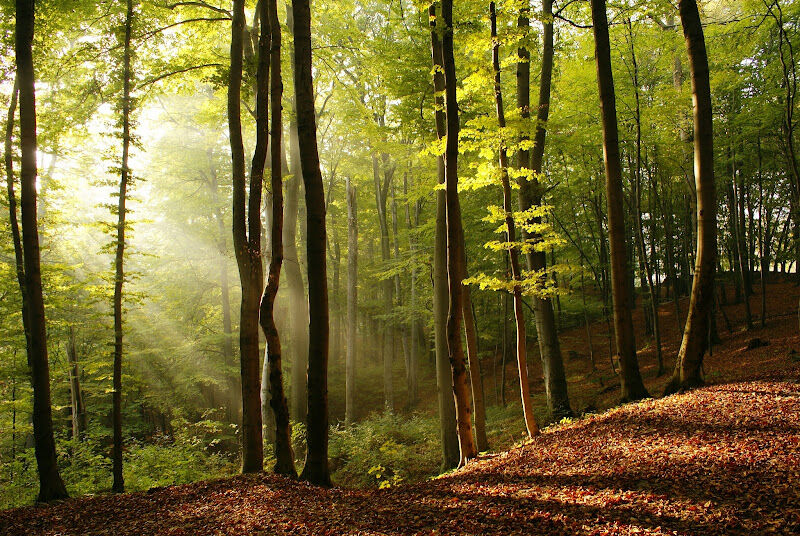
[
  {"x": 455, "y": 248},
  {"x": 247, "y": 232},
  {"x": 352, "y": 303},
  {"x": 474, "y": 364},
  {"x": 516, "y": 273},
  {"x": 632, "y": 387},
  {"x": 76, "y": 394},
  {"x": 413, "y": 354},
  {"x": 51, "y": 487},
  {"x": 762, "y": 242},
  {"x": 637, "y": 198},
  {"x": 284, "y": 457},
  {"x": 298, "y": 303},
  {"x": 119, "y": 276},
  {"x": 737, "y": 207},
  {"x": 690, "y": 356},
  {"x": 530, "y": 195},
  {"x": 447, "y": 409},
  {"x": 316, "y": 467}
]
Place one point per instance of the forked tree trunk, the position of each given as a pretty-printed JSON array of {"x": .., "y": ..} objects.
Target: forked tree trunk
[
  {"x": 118, "y": 485},
  {"x": 284, "y": 457},
  {"x": 631, "y": 385},
  {"x": 444, "y": 382},
  {"x": 51, "y": 487},
  {"x": 455, "y": 248},
  {"x": 316, "y": 467},
  {"x": 688, "y": 367},
  {"x": 519, "y": 314},
  {"x": 530, "y": 195},
  {"x": 352, "y": 304},
  {"x": 247, "y": 232}
]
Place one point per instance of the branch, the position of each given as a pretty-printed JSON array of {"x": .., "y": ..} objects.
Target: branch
[
  {"x": 167, "y": 27},
  {"x": 179, "y": 71},
  {"x": 199, "y": 3},
  {"x": 572, "y": 23}
]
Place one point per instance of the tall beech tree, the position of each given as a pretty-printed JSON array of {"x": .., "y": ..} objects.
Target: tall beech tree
[
  {"x": 530, "y": 195},
  {"x": 513, "y": 255},
  {"x": 247, "y": 228},
  {"x": 316, "y": 468},
  {"x": 631, "y": 385},
  {"x": 118, "y": 485},
  {"x": 284, "y": 457},
  {"x": 447, "y": 408},
  {"x": 694, "y": 344},
  {"x": 455, "y": 247},
  {"x": 51, "y": 487}
]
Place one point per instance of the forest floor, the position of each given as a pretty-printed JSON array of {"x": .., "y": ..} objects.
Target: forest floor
[{"x": 724, "y": 459}]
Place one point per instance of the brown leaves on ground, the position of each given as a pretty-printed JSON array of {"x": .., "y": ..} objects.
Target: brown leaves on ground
[{"x": 719, "y": 460}]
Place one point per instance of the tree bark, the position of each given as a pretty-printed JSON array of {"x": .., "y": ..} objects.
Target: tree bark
[
  {"x": 284, "y": 457},
  {"x": 247, "y": 233},
  {"x": 519, "y": 314},
  {"x": 652, "y": 301},
  {"x": 51, "y": 487},
  {"x": 631, "y": 385},
  {"x": 447, "y": 408},
  {"x": 298, "y": 302},
  {"x": 455, "y": 248},
  {"x": 530, "y": 195},
  {"x": 352, "y": 303},
  {"x": 316, "y": 468},
  {"x": 687, "y": 372},
  {"x": 75, "y": 392},
  {"x": 118, "y": 485}
]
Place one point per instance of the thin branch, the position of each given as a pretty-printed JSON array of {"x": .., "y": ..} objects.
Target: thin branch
[
  {"x": 199, "y": 3},
  {"x": 178, "y": 71}
]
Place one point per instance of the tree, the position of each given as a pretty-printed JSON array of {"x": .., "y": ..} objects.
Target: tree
[
  {"x": 352, "y": 303},
  {"x": 631, "y": 385},
  {"x": 284, "y": 457},
  {"x": 118, "y": 485},
  {"x": 695, "y": 335},
  {"x": 247, "y": 230},
  {"x": 447, "y": 408},
  {"x": 455, "y": 247},
  {"x": 51, "y": 487},
  {"x": 316, "y": 468},
  {"x": 513, "y": 255},
  {"x": 530, "y": 195}
]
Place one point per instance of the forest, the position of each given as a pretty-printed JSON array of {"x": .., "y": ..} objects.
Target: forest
[{"x": 399, "y": 267}]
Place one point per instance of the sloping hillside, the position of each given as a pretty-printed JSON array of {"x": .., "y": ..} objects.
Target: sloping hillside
[{"x": 720, "y": 460}]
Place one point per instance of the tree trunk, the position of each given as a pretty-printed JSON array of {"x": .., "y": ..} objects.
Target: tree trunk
[
  {"x": 352, "y": 304},
  {"x": 693, "y": 347},
  {"x": 316, "y": 467},
  {"x": 298, "y": 303},
  {"x": 637, "y": 199},
  {"x": 51, "y": 487},
  {"x": 119, "y": 275},
  {"x": 632, "y": 387},
  {"x": 413, "y": 354},
  {"x": 247, "y": 232},
  {"x": 455, "y": 247},
  {"x": 284, "y": 457},
  {"x": 516, "y": 274},
  {"x": 447, "y": 409},
  {"x": 75, "y": 392},
  {"x": 530, "y": 195}
]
